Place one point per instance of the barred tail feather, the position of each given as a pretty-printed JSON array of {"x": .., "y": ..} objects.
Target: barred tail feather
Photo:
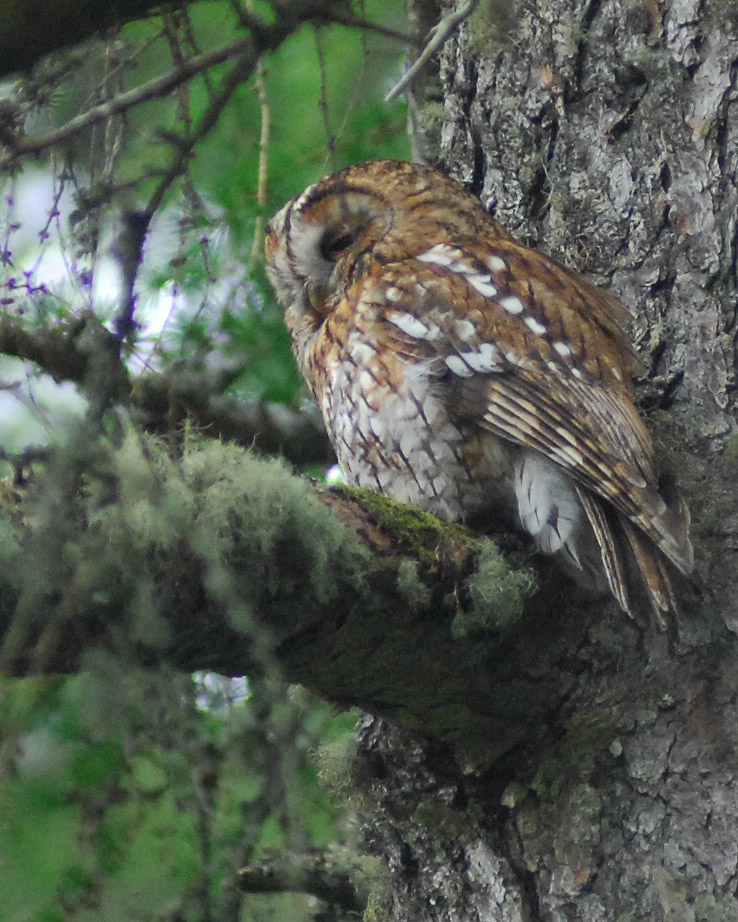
[
  {"x": 616, "y": 536},
  {"x": 653, "y": 570},
  {"x": 612, "y": 562}
]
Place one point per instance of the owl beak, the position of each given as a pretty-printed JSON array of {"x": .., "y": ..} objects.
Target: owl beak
[{"x": 317, "y": 294}]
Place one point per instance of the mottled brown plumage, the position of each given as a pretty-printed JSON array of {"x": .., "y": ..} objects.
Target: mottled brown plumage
[{"x": 462, "y": 371}]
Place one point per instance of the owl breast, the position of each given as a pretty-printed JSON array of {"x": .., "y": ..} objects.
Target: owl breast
[{"x": 390, "y": 425}]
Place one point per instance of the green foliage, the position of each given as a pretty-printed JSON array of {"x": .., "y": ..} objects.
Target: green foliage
[
  {"x": 124, "y": 800},
  {"x": 132, "y": 794}
]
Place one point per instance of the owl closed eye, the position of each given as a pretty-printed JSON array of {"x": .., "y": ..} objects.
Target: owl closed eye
[{"x": 461, "y": 371}]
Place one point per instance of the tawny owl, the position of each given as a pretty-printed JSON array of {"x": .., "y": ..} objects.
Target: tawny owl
[{"x": 466, "y": 373}]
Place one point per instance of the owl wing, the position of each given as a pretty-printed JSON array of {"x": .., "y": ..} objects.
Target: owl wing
[{"x": 535, "y": 354}]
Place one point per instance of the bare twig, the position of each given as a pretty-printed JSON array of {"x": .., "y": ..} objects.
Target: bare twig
[
  {"x": 261, "y": 185},
  {"x": 330, "y": 136},
  {"x": 445, "y": 28},
  {"x": 343, "y": 18}
]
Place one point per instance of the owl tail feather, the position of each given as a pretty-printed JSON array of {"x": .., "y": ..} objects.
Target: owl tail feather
[
  {"x": 649, "y": 561},
  {"x": 675, "y": 523},
  {"x": 612, "y": 562},
  {"x": 652, "y": 567}
]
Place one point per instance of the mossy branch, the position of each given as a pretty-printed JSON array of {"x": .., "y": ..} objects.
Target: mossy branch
[{"x": 220, "y": 560}]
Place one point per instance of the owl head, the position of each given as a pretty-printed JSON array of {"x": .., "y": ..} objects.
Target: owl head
[
  {"x": 312, "y": 240},
  {"x": 369, "y": 213}
]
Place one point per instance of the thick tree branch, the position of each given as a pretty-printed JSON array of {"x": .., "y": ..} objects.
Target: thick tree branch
[
  {"x": 365, "y": 602},
  {"x": 34, "y": 28},
  {"x": 224, "y": 562}
]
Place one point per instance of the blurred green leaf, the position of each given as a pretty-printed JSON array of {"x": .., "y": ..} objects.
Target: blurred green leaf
[{"x": 38, "y": 838}]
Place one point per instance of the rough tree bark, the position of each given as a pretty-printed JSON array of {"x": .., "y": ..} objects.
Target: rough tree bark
[
  {"x": 601, "y": 781},
  {"x": 606, "y": 134}
]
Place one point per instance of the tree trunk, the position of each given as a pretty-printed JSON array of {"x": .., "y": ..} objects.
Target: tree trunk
[{"x": 606, "y": 135}]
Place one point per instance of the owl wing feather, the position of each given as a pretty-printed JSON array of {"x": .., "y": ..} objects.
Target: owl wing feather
[{"x": 547, "y": 393}]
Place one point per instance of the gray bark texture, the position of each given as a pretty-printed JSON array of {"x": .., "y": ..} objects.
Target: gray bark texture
[{"x": 606, "y": 134}]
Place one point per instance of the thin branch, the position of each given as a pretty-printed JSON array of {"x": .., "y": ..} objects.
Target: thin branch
[
  {"x": 342, "y": 18},
  {"x": 159, "y": 86},
  {"x": 261, "y": 185},
  {"x": 263, "y": 37},
  {"x": 240, "y": 72},
  {"x": 443, "y": 31},
  {"x": 66, "y": 352},
  {"x": 323, "y": 105},
  {"x": 164, "y": 402}
]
